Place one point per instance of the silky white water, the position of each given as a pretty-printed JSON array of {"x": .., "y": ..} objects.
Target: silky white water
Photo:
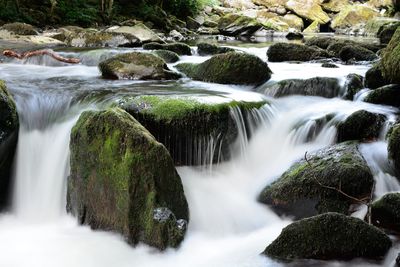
[{"x": 228, "y": 227}]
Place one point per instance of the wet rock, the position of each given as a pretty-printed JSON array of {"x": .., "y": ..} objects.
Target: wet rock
[
  {"x": 354, "y": 83},
  {"x": 334, "y": 5},
  {"x": 357, "y": 53},
  {"x": 294, "y": 36},
  {"x": 140, "y": 31},
  {"x": 9, "y": 125},
  {"x": 339, "y": 166},
  {"x": 374, "y": 78},
  {"x": 386, "y": 32},
  {"x": 123, "y": 180},
  {"x": 318, "y": 86},
  {"x": 385, "y": 212},
  {"x": 329, "y": 236},
  {"x": 336, "y": 46},
  {"x": 352, "y": 15},
  {"x": 19, "y": 28},
  {"x": 179, "y": 48},
  {"x": 398, "y": 260},
  {"x": 229, "y": 68},
  {"x": 394, "y": 147},
  {"x": 168, "y": 56},
  {"x": 234, "y": 24},
  {"x": 386, "y": 95},
  {"x": 94, "y": 38},
  {"x": 204, "y": 49},
  {"x": 321, "y": 42},
  {"x": 136, "y": 66},
  {"x": 280, "y": 52},
  {"x": 329, "y": 65},
  {"x": 308, "y": 9},
  {"x": 361, "y": 125},
  {"x": 187, "y": 126},
  {"x": 389, "y": 65}
]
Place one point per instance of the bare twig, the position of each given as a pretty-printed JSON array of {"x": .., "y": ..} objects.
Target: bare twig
[{"x": 11, "y": 53}]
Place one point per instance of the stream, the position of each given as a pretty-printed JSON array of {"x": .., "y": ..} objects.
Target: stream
[{"x": 228, "y": 227}]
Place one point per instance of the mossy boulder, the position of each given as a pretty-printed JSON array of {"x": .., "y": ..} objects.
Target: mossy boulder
[
  {"x": 361, "y": 125},
  {"x": 300, "y": 191},
  {"x": 204, "y": 49},
  {"x": 336, "y": 46},
  {"x": 179, "y": 48},
  {"x": 356, "y": 53},
  {"x": 140, "y": 31},
  {"x": 334, "y": 6},
  {"x": 314, "y": 27},
  {"x": 318, "y": 86},
  {"x": 321, "y": 42},
  {"x": 136, "y": 66},
  {"x": 187, "y": 126},
  {"x": 394, "y": 147},
  {"x": 386, "y": 32},
  {"x": 94, "y": 38},
  {"x": 374, "y": 77},
  {"x": 390, "y": 63},
  {"x": 229, "y": 68},
  {"x": 19, "y": 28},
  {"x": 385, "y": 212},
  {"x": 329, "y": 65},
  {"x": 280, "y": 52},
  {"x": 354, "y": 83},
  {"x": 330, "y": 236},
  {"x": 353, "y": 15},
  {"x": 9, "y": 125},
  {"x": 125, "y": 181},
  {"x": 308, "y": 9},
  {"x": 386, "y": 95},
  {"x": 235, "y": 24},
  {"x": 167, "y": 56}
]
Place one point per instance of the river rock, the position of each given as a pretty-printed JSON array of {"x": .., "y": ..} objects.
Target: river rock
[
  {"x": 313, "y": 28},
  {"x": 318, "y": 86},
  {"x": 293, "y": 21},
  {"x": 361, "y": 125},
  {"x": 123, "y": 180},
  {"x": 336, "y": 47},
  {"x": 390, "y": 60},
  {"x": 229, "y": 68},
  {"x": 356, "y": 53},
  {"x": 374, "y": 78},
  {"x": 334, "y": 5},
  {"x": 294, "y": 52},
  {"x": 354, "y": 83},
  {"x": 385, "y": 212},
  {"x": 19, "y": 28},
  {"x": 9, "y": 125},
  {"x": 94, "y": 38},
  {"x": 204, "y": 49},
  {"x": 308, "y": 9},
  {"x": 329, "y": 65},
  {"x": 321, "y": 42},
  {"x": 330, "y": 236},
  {"x": 386, "y": 95},
  {"x": 167, "y": 56},
  {"x": 187, "y": 126},
  {"x": 140, "y": 31},
  {"x": 235, "y": 24},
  {"x": 300, "y": 191},
  {"x": 394, "y": 147},
  {"x": 386, "y": 32},
  {"x": 179, "y": 48},
  {"x": 352, "y": 15},
  {"x": 294, "y": 36},
  {"x": 136, "y": 66}
]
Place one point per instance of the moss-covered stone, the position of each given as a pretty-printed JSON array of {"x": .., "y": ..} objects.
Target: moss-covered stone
[
  {"x": 204, "y": 49},
  {"x": 294, "y": 52},
  {"x": 374, "y": 78},
  {"x": 313, "y": 28},
  {"x": 321, "y": 42},
  {"x": 329, "y": 65},
  {"x": 336, "y": 46},
  {"x": 318, "y": 86},
  {"x": 390, "y": 63},
  {"x": 329, "y": 236},
  {"x": 123, "y": 180},
  {"x": 357, "y": 53},
  {"x": 94, "y": 38},
  {"x": 361, "y": 125},
  {"x": 394, "y": 146},
  {"x": 340, "y": 166},
  {"x": 136, "y": 66},
  {"x": 229, "y": 68},
  {"x": 354, "y": 83},
  {"x": 186, "y": 126},
  {"x": 386, "y": 95},
  {"x": 235, "y": 24},
  {"x": 179, "y": 48},
  {"x": 334, "y": 5},
  {"x": 308, "y": 9},
  {"x": 167, "y": 56},
  {"x": 19, "y": 28},
  {"x": 352, "y": 15},
  {"x": 386, "y": 32},
  {"x": 9, "y": 125},
  {"x": 385, "y": 212}
]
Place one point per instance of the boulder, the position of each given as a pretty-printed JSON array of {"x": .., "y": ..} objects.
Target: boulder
[
  {"x": 229, "y": 68},
  {"x": 354, "y": 83},
  {"x": 234, "y": 24},
  {"x": 334, "y": 5},
  {"x": 308, "y": 9},
  {"x": 123, "y": 180},
  {"x": 394, "y": 147},
  {"x": 374, "y": 77},
  {"x": 294, "y": 52},
  {"x": 204, "y": 49},
  {"x": 9, "y": 125},
  {"x": 179, "y": 48},
  {"x": 386, "y": 95},
  {"x": 329, "y": 236},
  {"x": 390, "y": 63},
  {"x": 294, "y": 36},
  {"x": 313, "y": 28},
  {"x": 187, "y": 126},
  {"x": 140, "y": 31},
  {"x": 136, "y": 66},
  {"x": 353, "y": 15},
  {"x": 94, "y": 38},
  {"x": 361, "y": 125},
  {"x": 167, "y": 56},
  {"x": 385, "y": 212},
  {"x": 386, "y": 32},
  {"x": 336, "y": 46},
  {"x": 356, "y": 53},
  {"x": 321, "y": 42},
  {"x": 19, "y": 28},
  {"x": 374, "y": 26},
  {"x": 318, "y": 86},
  {"x": 329, "y": 65},
  {"x": 293, "y": 21},
  {"x": 300, "y": 191}
]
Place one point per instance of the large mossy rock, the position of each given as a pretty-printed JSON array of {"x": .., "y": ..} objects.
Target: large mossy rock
[
  {"x": 385, "y": 212},
  {"x": 361, "y": 125},
  {"x": 136, "y": 66},
  {"x": 195, "y": 132},
  {"x": 9, "y": 125},
  {"x": 330, "y": 236},
  {"x": 140, "y": 31},
  {"x": 337, "y": 46},
  {"x": 334, "y": 6},
  {"x": 167, "y": 56},
  {"x": 374, "y": 78},
  {"x": 308, "y": 9},
  {"x": 353, "y": 15},
  {"x": 354, "y": 84},
  {"x": 179, "y": 48},
  {"x": 300, "y": 191},
  {"x": 204, "y": 49},
  {"x": 19, "y": 28},
  {"x": 125, "y": 181},
  {"x": 229, "y": 68},
  {"x": 390, "y": 63},
  {"x": 318, "y": 86},
  {"x": 235, "y": 24},
  {"x": 394, "y": 146},
  {"x": 93, "y": 38},
  {"x": 385, "y": 95},
  {"x": 386, "y": 32},
  {"x": 280, "y": 52},
  {"x": 356, "y": 53}
]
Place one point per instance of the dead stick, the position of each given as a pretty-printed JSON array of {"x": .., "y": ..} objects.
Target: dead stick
[{"x": 11, "y": 53}]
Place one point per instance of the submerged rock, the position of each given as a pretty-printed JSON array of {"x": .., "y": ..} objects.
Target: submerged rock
[
  {"x": 235, "y": 24},
  {"x": 394, "y": 147},
  {"x": 361, "y": 125},
  {"x": 318, "y": 86},
  {"x": 330, "y": 236},
  {"x": 204, "y": 49},
  {"x": 179, "y": 48},
  {"x": 386, "y": 95},
  {"x": 294, "y": 52},
  {"x": 390, "y": 63},
  {"x": 136, "y": 66},
  {"x": 329, "y": 65},
  {"x": 9, "y": 125},
  {"x": 385, "y": 212},
  {"x": 194, "y": 132},
  {"x": 19, "y": 28},
  {"x": 300, "y": 191},
  {"x": 167, "y": 56},
  {"x": 123, "y": 180},
  {"x": 229, "y": 68}
]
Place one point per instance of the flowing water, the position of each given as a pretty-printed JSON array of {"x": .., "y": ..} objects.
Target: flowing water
[{"x": 228, "y": 227}]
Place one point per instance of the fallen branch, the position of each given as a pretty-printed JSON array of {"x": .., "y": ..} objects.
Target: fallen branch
[{"x": 25, "y": 55}]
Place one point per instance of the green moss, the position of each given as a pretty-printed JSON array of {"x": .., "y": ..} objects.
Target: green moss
[
  {"x": 167, "y": 56},
  {"x": 294, "y": 52},
  {"x": 385, "y": 212},
  {"x": 179, "y": 48},
  {"x": 390, "y": 63}
]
